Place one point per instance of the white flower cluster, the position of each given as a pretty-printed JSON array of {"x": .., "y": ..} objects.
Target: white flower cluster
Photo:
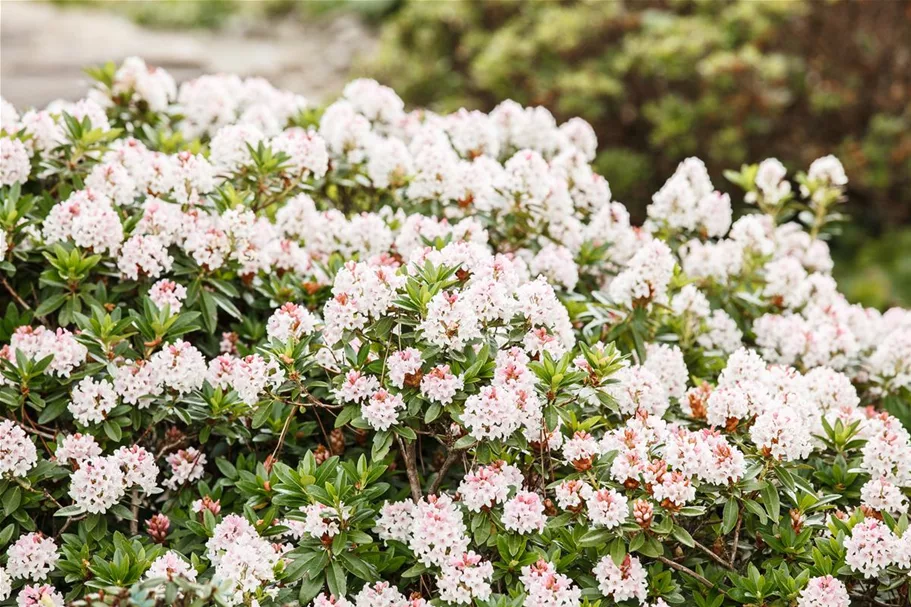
[
  {"x": 494, "y": 295},
  {"x": 243, "y": 560},
  {"x": 18, "y": 454}
]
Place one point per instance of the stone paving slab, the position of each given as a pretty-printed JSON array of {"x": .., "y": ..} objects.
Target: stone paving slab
[{"x": 44, "y": 47}]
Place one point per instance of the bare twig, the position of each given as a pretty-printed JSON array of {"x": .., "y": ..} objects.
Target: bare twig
[
  {"x": 35, "y": 428},
  {"x": 736, "y": 541},
  {"x": 877, "y": 602},
  {"x": 270, "y": 200},
  {"x": 13, "y": 292},
  {"x": 167, "y": 447},
  {"x": 318, "y": 403},
  {"x": 37, "y": 432},
  {"x": 322, "y": 428},
  {"x": 47, "y": 494},
  {"x": 686, "y": 570},
  {"x": 281, "y": 437},
  {"x": 134, "y": 510},
  {"x": 19, "y": 298},
  {"x": 411, "y": 469},
  {"x": 69, "y": 521},
  {"x": 451, "y": 457},
  {"x": 714, "y": 556}
]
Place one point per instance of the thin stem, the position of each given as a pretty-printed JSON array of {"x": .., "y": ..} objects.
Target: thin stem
[
  {"x": 69, "y": 520},
  {"x": 711, "y": 554},
  {"x": 39, "y": 433},
  {"x": 134, "y": 510},
  {"x": 414, "y": 480},
  {"x": 47, "y": 494},
  {"x": 167, "y": 447},
  {"x": 19, "y": 298},
  {"x": 451, "y": 457},
  {"x": 686, "y": 570},
  {"x": 736, "y": 541},
  {"x": 322, "y": 428},
  {"x": 312, "y": 400},
  {"x": 820, "y": 213},
  {"x": 281, "y": 437},
  {"x": 35, "y": 429},
  {"x": 270, "y": 200},
  {"x": 13, "y": 292}
]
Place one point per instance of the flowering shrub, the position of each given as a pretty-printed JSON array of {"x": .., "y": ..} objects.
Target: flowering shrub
[
  {"x": 729, "y": 81},
  {"x": 262, "y": 353},
  {"x": 660, "y": 81}
]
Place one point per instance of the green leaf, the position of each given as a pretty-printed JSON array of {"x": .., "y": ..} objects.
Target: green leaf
[
  {"x": 432, "y": 412},
  {"x": 113, "y": 431},
  {"x": 771, "y": 501},
  {"x": 465, "y": 442},
  {"x": 683, "y": 536},
  {"x": 226, "y": 468},
  {"x": 356, "y": 566},
  {"x": 11, "y": 500},
  {"x": 406, "y": 433},
  {"x": 209, "y": 311},
  {"x": 262, "y": 415},
  {"x": 595, "y": 537},
  {"x": 756, "y": 509},
  {"x": 347, "y": 414},
  {"x": 618, "y": 551},
  {"x": 310, "y": 587},
  {"x": 336, "y": 579},
  {"x": 785, "y": 477},
  {"x": 731, "y": 513},
  {"x": 50, "y": 304},
  {"x": 415, "y": 570},
  {"x": 52, "y": 411},
  {"x": 122, "y": 511},
  {"x": 382, "y": 441},
  {"x": 7, "y": 534},
  {"x": 637, "y": 542},
  {"x": 652, "y": 548},
  {"x": 72, "y": 510}
]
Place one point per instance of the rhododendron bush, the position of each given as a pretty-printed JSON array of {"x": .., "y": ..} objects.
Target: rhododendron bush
[{"x": 259, "y": 352}]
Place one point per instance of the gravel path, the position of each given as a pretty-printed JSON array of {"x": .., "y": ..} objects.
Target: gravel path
[{"x": 43, "y": 49}]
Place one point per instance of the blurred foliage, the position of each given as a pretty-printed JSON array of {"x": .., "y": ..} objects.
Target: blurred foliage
[
  {"x": 219, "y": 13},
  {"x": 876, "y": 271},
  {"x": 173, "y": 13},
  {"x": 730, "y": 81}
]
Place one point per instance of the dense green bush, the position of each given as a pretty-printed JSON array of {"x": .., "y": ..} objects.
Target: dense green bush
[{"x": 732, "y": 82}]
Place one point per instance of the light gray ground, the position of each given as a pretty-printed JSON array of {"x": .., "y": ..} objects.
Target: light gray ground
[{"x": 43, "y": 49}]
